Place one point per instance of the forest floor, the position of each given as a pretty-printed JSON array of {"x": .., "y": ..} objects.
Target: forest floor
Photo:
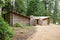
[
  {"x": 51, "y": 32},
  {"x": 22, "y": 33}
]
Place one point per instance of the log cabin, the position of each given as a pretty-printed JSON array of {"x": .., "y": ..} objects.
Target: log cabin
[{"x": 13, "y": 18}]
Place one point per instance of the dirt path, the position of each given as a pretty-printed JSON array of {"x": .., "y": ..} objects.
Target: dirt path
[
  {"x": 51, "y": 32},
  {"x": 22, "y": 33}
]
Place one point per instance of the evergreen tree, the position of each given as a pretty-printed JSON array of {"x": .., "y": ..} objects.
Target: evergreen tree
[
  {"x": 20, "y": 6},
  {"x": 55, "y": 12},
  {"x": 35, "y": 7}
]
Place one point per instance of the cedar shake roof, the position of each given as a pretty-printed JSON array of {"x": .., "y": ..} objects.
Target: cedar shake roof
[{"x": 19, "y": 14}]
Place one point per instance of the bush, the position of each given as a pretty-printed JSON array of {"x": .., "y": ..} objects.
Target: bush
[
  {"x": 58, "y": 21},
  {"x": 18, "y": 25},
  {"x": 6, "y": 32}
]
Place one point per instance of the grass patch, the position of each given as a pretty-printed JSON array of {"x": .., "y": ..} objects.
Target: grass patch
[
  {"x": 22, "y": 26},
  {"x": 28, "y": 27}
]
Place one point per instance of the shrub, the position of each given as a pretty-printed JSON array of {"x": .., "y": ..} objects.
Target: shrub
[
  {"x": 18, "y": 25},
  {"x": 6, "y": 32},
  {"x": 58, "y": 21}
]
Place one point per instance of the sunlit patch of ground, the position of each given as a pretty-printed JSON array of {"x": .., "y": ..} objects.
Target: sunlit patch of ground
[{"x": 51, "y": 32}]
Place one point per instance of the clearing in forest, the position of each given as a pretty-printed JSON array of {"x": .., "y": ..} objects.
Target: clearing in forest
[{"x": 51, "y": 32}]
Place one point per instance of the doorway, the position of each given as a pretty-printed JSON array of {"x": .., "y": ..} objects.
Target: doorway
[{"x": 36, "y": 21}]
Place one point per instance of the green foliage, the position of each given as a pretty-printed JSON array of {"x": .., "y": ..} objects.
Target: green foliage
[
  {"x": 7, "y": 8},
  {"x": 18, "y": 25},
  {"x": 36, "y": 7},
  {"x": 33, "y": 7},
  {"x": 1, "y": 2},
  {"x": 6, "y": 31},
  {"x": 20, "y": 6},
  {"x": 58, "y": 21},
  {"x": 30, "y": 7},
  {"x": 42, "y": 11}
]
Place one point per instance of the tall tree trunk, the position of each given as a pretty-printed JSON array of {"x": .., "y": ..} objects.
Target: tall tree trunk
[
  {"x": 55, "y": 12},
  {"x": 0, "y": 10}
]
